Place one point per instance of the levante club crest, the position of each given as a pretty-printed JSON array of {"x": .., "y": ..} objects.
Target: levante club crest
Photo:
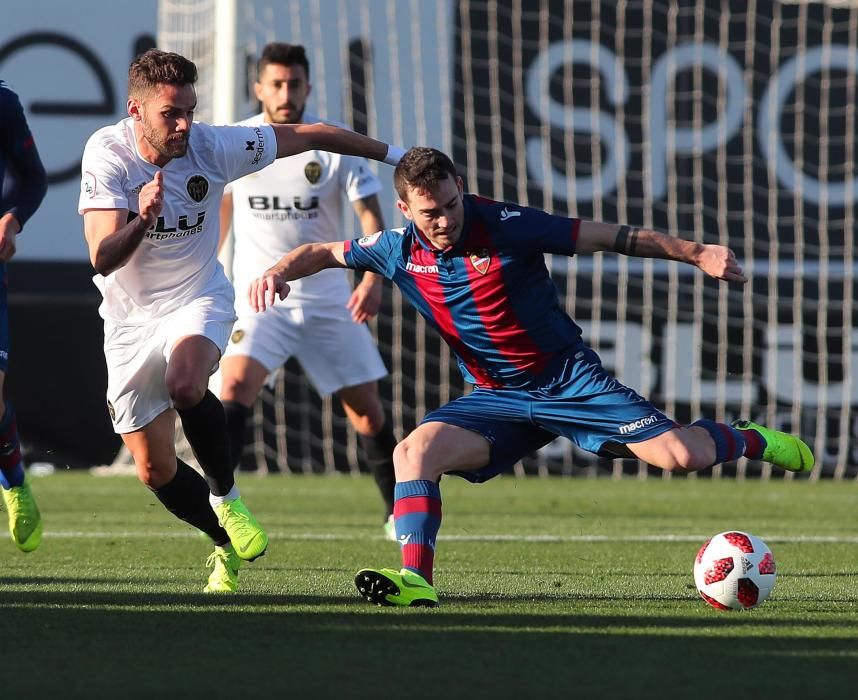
[{"x": 481, "y": 261}]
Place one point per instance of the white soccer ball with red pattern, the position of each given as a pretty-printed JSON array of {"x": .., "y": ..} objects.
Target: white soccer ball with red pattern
[{"x": 734, "y": 570}]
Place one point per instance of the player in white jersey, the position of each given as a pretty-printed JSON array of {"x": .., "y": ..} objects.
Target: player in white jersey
[
  {"x": 322, "y": 322},
  {"x": 150, "y": 194}
]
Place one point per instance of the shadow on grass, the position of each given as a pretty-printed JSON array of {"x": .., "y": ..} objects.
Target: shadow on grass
[
  {"x": 125, "y": 644},
  {"x": 96, "y": 598}
]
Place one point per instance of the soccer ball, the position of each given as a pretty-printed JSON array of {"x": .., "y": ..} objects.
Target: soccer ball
[{"x": 734, "y": 570}]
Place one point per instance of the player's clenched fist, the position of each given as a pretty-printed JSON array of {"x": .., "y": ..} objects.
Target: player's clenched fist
[
  {"x": 720, "y": 262},
  {"x": 151, "y": 199},
  {"x": 265, "y": 289}
]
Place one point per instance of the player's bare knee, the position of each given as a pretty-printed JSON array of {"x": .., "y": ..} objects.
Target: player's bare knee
[
  {"x": 403, "y": 455},
  {"x": 234, "y": 388},
  {"x": 683, "y": 457},
  {"x": 674, "y": 455},
  {"x": 151, "y": 473},
  {"x": 185, "y": 393},
  {"x": 229, "y": 387},
  {"x": 409, "y": 460}
]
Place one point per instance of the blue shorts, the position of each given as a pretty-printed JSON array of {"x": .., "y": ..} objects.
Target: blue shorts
[{"x": 582, "y": 402}]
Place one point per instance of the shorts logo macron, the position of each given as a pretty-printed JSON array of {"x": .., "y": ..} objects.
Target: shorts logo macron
[{"x": 638, "y": 424}]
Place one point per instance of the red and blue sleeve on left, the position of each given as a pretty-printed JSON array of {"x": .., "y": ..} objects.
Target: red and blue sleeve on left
[
  {"x": 23, "y": 181},
  {"x": 374, "y": 253}
]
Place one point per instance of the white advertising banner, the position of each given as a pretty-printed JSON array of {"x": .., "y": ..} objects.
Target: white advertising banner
[{"x": 68, "y": 62}]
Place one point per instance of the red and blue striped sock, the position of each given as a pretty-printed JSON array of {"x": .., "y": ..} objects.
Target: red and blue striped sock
[
  {"x": 755, "y": 444},
  {"x": 417, "y": 517},
  {"x": 11, "y": 466},
  {"x": 729, "y": 442}
]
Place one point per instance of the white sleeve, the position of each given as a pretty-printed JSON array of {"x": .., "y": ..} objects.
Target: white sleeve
[
  {"x": 242, "y": 150},
  {"x": 356, "y": 178},
  {"x": 102, "y": 179}
]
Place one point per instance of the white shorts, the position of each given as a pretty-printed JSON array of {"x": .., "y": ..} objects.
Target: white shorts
[
  {"x": 333, "y": 350},
  {"x": 137, "y": 357}
]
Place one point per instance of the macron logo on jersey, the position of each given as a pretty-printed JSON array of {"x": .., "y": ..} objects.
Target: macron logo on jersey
[
  {"x": 422, "y": 269},
  {"x": 507, "y": 214}
]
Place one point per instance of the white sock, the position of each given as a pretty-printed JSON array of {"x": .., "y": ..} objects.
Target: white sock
[{"x": 220, "y": 500}]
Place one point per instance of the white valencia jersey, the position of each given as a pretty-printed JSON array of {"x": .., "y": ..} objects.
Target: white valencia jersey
[
  {"x": 177, "y": 259},
  {"x": 297, "y": 200}
]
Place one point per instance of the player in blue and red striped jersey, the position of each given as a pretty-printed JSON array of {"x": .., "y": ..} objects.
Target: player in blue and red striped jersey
[
  {"x": 23, "y": 184},
  {"x": 475, "y": 270}
]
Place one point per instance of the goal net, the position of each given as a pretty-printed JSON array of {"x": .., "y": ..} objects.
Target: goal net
[{"x": 726, "y": 122}]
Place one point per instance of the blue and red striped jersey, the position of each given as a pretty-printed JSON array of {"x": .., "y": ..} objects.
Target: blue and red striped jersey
[{"x": 490, "y": 295}]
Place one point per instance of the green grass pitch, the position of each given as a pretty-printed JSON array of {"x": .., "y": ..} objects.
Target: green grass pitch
[{"x": 567, "y": 588}]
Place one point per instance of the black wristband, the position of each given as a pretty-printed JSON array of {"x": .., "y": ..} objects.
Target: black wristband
[{"x": 626, "y": 241}]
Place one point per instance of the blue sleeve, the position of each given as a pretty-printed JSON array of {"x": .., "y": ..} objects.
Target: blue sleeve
[
  {"x": 19, "y": 151},
  {"x": 375, "y": 253},
  {"x": 533, "y": 230}
]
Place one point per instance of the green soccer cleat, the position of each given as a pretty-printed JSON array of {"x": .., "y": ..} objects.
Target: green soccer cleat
[
  {"x": 390, "y": 529},
  {"x": 224, "y": 576},
  {"x": 25, "y": 521},
  {"x": 246, "y": 535},
  {"x": 782, "y": 449},
  {"x": 399, "y": 588}
]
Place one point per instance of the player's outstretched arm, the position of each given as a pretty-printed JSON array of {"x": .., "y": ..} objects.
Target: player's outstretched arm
[
  {"x": 305, "y": 260},
  {"x": 297, "y": 138},
  {"x": 717, "y": 261},
  {"x": 111, "y": 238}
]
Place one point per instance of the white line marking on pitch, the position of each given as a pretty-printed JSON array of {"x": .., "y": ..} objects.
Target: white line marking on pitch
[{"x": 332, "y": 536}]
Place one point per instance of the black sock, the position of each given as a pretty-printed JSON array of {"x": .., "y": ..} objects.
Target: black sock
[
  {"x": 205, "y": 428},
  {"x": 378, "y": 455},
  {"x": 187, "y": 497},
  {"x": 236, "y": 425}
]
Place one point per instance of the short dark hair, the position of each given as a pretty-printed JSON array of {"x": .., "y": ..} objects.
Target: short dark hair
[
  {"x": 422, "y": 168},
  {"x": 154, "y": 67},
  {"x": 283, "y": 55}
]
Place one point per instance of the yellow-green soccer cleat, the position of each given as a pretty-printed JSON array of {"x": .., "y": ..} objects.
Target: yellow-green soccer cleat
[
  {"x": 224, "y": 576},
  {"x": 782, "y": 449},
  {"x": 246, "y": 535},
  {"x": 391, "y": 587},
  {"x": 25, "y": 521}
]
